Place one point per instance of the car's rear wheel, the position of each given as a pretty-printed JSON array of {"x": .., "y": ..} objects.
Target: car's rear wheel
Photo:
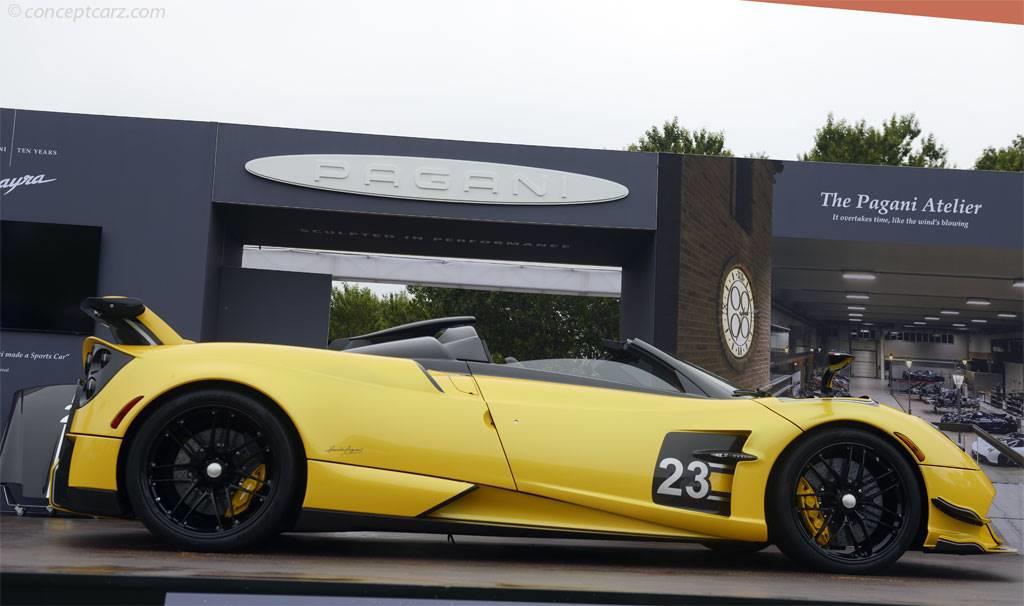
[
  {"x": 845, "y": 500},
  {"x": 213, "y": 470}
]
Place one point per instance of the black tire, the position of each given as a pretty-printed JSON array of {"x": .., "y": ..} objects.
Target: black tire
[
  {"x": 734, "y": 548},
  {"x": 844, "y": 500},
  {"x": 214, "y": 470}
]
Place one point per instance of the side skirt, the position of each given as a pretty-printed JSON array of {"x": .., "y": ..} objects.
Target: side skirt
[{"x": 320, "y": 520}]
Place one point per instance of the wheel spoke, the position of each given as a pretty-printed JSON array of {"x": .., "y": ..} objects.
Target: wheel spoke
[
  {"x": 833, "y": 534},
  {"x": 227, "y": 431},
  {"x": 231, "y": 504},
  {"x": 191, "y": 436},
  {"x": 846, "y": 465},
  {"x": 863, "y": 460},
  {"x": 879, "y": 507},
  {"x": 877, "y": 479},
  {"x": 216, "y": 508},
  {"x": 250, "y": 459},
  {"x": 881, "y": 491},
  {"x": 864, "y": 530},
  {"x": 213, "y": 431},
  {"x": 246, "y": 445},
  {"x": 192, "y": 455},
  {"x": 824, "y": 525},
  {"x": 193, "y": 508},
  {"x": 877, "y": 521},
  {"x": 184, "y": 498},
  {"x": 828, "y": 466},
  {"x": 812, "y": 469}
]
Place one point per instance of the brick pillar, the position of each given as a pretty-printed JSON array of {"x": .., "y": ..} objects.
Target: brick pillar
[{"x": 725, "y": 220}]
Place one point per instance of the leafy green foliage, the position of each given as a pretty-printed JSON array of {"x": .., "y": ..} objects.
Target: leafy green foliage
[
  {"x": 676, "y": 139},
  {"x": 356, "y": 310},
  {"x": 524, "y": 325},
  {"x": 895, "y": 143},
  {"x": 529, "y": 325},
  {"x": 1009, "y": 158}
]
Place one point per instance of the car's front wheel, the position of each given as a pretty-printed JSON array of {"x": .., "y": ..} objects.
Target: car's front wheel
[
  {"x": 213, "y": 470},
  {"x": 845, "y": 500}
]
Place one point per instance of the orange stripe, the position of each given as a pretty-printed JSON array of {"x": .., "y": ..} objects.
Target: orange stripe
[{"x": 995, "y": 11}]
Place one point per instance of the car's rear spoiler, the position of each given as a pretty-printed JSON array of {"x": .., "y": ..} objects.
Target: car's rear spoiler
[{"x": 130, "y": 321}]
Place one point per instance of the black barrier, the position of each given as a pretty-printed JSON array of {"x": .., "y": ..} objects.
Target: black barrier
[{"x": 996, "y": 443}]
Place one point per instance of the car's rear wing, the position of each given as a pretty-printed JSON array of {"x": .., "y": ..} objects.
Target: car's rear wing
[{"x": 130, "y": 321}]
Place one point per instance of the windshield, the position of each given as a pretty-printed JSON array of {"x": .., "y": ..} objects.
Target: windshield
[
  {"x": 711, "y": 384},
  {"x": 639, "y": 364},
  {"x": 606, "y": 370}
]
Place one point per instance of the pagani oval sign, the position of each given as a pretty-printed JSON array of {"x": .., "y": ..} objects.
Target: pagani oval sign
[{"x": 436, "y": 179}]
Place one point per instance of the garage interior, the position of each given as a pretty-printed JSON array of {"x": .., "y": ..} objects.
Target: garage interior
[{"x": 936, "y": 306}]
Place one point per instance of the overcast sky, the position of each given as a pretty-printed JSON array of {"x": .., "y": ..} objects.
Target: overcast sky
[{"x": 567, "y": 73}]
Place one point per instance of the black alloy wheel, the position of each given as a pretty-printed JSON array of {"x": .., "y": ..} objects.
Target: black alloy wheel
[
  {"x": 847, "y": 501},
  {"x": 213, "y": 471}
]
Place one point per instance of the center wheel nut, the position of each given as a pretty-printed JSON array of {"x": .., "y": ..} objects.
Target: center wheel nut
[{"x": 213, "y": 470}]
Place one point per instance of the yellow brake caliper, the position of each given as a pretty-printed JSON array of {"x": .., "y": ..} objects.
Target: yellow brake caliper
[
  {"x": 240, "y": 502},
  {"x": 810, "y": 512}
]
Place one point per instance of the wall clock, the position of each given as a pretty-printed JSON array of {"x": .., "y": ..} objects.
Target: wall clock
[{"x": 737, "y": 303}]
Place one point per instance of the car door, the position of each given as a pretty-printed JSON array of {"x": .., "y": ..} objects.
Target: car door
[{"x": 635, "y": 447}]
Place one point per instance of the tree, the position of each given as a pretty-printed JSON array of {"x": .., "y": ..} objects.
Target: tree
[
  {"x": 528, "y": 325},
  {"x": 675, "y": 139},
  {"x": 1009, "y": 158},
  {"x": 356, "y": 310},
  {"x": 895, "y": 143},
  {"x": 524, "y": 325}
]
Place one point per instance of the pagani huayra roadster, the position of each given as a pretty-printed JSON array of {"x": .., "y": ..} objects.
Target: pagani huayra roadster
[{"x": 218, "y": 446}]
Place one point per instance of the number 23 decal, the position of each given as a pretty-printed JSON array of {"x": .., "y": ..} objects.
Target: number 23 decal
[
  {"x": 685, "y": 480},
  {"x": 700, "y": 487}
]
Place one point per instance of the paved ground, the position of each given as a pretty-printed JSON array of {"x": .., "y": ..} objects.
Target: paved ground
[
  {"x": 1007, "y": 511},
  {"x": 125, "y": 550}
]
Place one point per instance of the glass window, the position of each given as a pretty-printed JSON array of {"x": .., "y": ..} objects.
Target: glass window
[{"x": 605, "y": 370}]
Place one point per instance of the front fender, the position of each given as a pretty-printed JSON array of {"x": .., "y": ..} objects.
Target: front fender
[{"x": 937, "y": 449}]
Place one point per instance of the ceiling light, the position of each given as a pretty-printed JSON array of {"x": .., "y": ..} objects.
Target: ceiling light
[
  {"x": 857, "y": 296},
  {"x": 856, "y": 307},
  {"x": 920, "y": 323},
  {"x": 1019, "y": 283},
  {"x": 949, "y": 312},
  {"x": 909, "y": 326},
  {"x": 869, "y": 324},
  {"x": 855, "y": 320},
  {"x": 858, "y": 275},
  {"x": 979, "y": 302},
  {"x": 958, "y": 325},
  {"x": 979, "y": 321},
  {"x": 854, "y": 314},
  {"x": 932, "y": 318},
  {"x": 961, "y": 328},
  {"x": 1007, "y": 315}
]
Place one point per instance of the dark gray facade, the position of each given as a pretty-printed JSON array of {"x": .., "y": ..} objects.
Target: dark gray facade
[{"x": 176, "y": 205}]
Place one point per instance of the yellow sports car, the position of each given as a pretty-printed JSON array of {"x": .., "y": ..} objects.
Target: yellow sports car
[{"x": 218, "y": 446}]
